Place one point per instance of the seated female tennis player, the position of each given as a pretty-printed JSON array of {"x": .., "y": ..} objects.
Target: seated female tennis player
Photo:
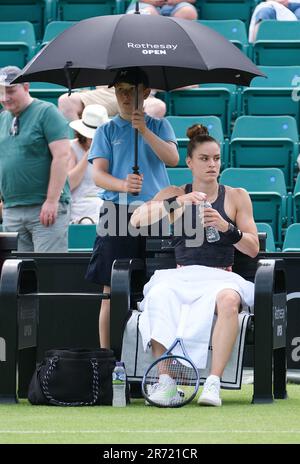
[{"x": 203, "y": 278}]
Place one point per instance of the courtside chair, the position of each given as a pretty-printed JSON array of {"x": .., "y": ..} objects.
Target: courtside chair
[
  {"x": 277, "y": 43},
  {"x": 37, "y": 12},
  {"x": 206, "y": 100},
  {"x": 277, "y": 94},
  {"x": 76, "y": 10},
  {"x": 266, "y": 141},
  {"x": 81, "y": 237},
  {"x": 296, "y": 200},
  {"x": 180, "y": 125},
  {"x": 267, "y": 189},
  {"x": 267, "y": 229},
  {"x": 55, "y": 28},
  {"x": 292, "y": 238},
  {"x": 226, "y": 9},
  {"x": 232, "y": 29},
  {"x": 17, "y": 43},
  {"x": 269, "y": 351}
]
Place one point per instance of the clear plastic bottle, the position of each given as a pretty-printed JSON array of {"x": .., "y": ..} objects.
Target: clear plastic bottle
[
  {"x": 119, "y": 385},
  {"x": 212, "y": 234}
]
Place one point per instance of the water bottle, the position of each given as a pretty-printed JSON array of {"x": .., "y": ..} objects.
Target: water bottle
[
  {"x": 119, "y": 385},
  {"x": 212, "y": 234}
]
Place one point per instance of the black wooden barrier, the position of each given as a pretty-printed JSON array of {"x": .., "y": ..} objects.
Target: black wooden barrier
[
  {"x": 18, "y": 324},
  {"x": 8, "y": 243},
  {"x": 66, "y": 312},
  {"x": 68, "y": 309},
  {"x": 69, "y": 305},
  {"x": 292, "y": 266}
]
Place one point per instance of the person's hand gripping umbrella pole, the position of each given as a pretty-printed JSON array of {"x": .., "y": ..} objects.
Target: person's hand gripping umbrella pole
[{"x": 138, "y": 99}]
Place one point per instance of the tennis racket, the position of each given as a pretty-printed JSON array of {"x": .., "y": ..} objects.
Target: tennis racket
[{"x": 183, "y": 381}]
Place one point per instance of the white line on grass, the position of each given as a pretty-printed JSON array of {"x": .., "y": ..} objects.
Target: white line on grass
[{"x": 49, "y": 432}]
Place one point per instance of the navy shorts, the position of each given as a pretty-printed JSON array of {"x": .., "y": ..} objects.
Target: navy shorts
[{"x": 107, "y": 248}]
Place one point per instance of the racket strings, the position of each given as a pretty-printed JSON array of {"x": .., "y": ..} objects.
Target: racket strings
[{"x": 171, "y": 382}]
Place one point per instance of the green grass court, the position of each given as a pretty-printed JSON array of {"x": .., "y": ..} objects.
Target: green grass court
[{"x": 237, "y": 421}]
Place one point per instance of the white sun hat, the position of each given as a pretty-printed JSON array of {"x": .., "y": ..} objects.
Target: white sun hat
[{"x": 93, "y": 116}]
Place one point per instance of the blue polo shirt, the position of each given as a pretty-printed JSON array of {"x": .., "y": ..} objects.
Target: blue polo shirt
[{"x": 114, "y": 141}]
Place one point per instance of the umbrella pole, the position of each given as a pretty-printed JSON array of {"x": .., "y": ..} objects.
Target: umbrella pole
[
  {"x": 137, "y": 8},
  {"x": 135, "y": 168}
]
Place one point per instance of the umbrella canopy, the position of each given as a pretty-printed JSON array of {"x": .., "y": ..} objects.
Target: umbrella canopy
[{"x": 173, "y": 52}]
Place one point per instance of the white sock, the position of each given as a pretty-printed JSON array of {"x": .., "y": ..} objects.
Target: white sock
[{"x": 213, "y": 378}]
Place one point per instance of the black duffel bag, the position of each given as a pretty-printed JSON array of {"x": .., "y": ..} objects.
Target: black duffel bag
[{"x": 73, "y": 377}]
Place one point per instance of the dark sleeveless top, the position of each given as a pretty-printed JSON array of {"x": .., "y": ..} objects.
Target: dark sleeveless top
[{"x": 217, "y": 254}]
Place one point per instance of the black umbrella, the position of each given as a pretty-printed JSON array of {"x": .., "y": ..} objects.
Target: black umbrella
[{"x": 173, "y": 53}]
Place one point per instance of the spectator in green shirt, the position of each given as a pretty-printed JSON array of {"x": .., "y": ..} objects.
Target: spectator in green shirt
[{"x": 34, "y": 153}]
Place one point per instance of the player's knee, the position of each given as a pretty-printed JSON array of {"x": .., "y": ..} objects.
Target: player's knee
[{"x": 228, "y": 303}]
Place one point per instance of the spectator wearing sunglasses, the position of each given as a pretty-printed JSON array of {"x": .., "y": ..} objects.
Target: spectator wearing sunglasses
[{"x": 34, "y": 153}]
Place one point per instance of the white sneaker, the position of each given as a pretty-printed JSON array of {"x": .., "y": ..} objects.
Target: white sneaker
[
  {"x": 165, "y": 393},
  {"x": 210, "y": 395},
  {"x": 178, "y": 397}
]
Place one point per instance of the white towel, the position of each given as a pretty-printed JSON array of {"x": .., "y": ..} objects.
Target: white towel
[
  {"x": 137, "y": 360},
  {"x": 196, "y": 286},
  {"x": 282, "y": 14}
]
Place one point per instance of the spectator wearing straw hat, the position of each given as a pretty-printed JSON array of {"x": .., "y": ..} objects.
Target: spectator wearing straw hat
[{"x": 86, "y": 203}]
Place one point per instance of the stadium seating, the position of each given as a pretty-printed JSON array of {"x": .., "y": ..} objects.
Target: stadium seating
[
  {"x": 226, "y": 9},
  {"x": 17, "y": 43},
  {"x": 46, "y": 91},
  {"x": 37, "y": 12},
  {"x": 296, "y": 196},
  {"x": 180, "y": 176},
  {"x": 277, "y": 43},
  {"x": 233, "y": 29},
  {"x": 76, "y": 10},
  {"x": 267, "y": 190},
  {"x": 180, "y": 125},
  {"x": 81, "y": 237},
  {"x": 55, "y": 28},
  {"x": 274, "y": 95},
  {"x": 205, "y": 100},
  {"x": 270, "y": 242},
  {"x": 292, "y": 238},
  {"x": 265, "y": 141}
]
